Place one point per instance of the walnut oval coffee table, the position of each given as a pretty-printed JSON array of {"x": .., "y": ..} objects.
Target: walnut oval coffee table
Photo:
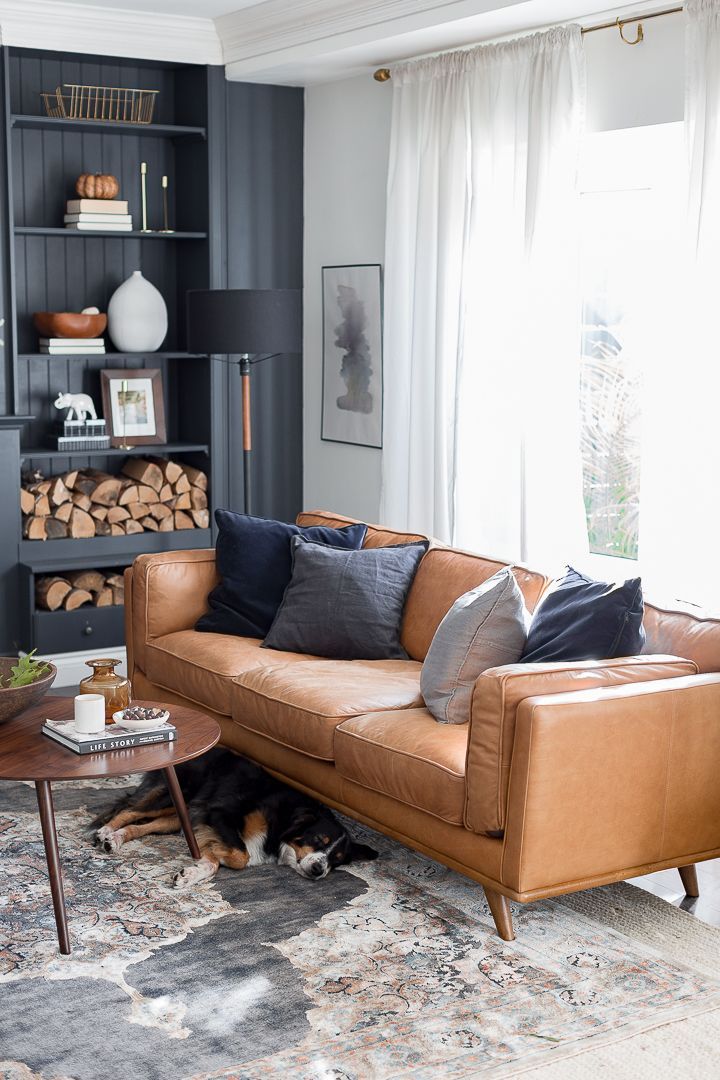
[{"x": 27, "y": 754}]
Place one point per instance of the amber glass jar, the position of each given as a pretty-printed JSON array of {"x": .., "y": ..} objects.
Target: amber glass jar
[{"x": 105, "y": 680}]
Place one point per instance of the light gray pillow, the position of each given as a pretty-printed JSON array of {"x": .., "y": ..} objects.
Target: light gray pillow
[
  {"x": 486, "y": 627},
  {"x": 343, "y": 604}
]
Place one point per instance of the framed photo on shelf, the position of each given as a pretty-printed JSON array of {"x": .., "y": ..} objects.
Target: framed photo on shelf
[
  {"x": 352, "y": 393},
  {"x": 133, "y": 406}
]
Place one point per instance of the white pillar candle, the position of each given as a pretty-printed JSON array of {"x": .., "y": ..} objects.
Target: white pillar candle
[{"x": 89, "y": 713}]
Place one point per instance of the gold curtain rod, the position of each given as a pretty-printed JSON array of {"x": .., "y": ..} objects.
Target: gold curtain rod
[{"x": 384, "y": 74}]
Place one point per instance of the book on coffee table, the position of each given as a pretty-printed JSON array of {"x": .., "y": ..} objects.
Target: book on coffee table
[{"x": 115, "y": 737}]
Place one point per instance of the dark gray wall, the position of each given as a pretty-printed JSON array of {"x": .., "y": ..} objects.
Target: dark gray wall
[{"x": 264, "y": 171}]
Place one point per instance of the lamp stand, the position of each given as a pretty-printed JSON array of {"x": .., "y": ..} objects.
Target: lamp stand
[{"x": 247, "y": 431}]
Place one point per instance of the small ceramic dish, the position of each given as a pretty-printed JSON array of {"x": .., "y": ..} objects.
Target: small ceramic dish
[{"x": 134, "y": 723}]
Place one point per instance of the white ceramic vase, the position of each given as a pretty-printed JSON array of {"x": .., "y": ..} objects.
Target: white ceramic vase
[{"x": 137, "y": 316}]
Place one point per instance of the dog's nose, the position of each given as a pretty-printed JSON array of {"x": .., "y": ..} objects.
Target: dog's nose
[{"x": 317, "y": 869}]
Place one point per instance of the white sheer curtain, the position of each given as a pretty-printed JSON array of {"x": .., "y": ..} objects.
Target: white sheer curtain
[
  {"x": 680, "y": 483},
  {"x": 482, "y": 314}
]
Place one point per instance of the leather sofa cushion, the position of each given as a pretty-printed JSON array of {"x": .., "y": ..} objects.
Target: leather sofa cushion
[
  {"x": 683, "y": 634},
  {"x": 300, "y": 705},
  {"x": 408, "y": 756},
  {"x": 376, "y": 535},
  {"x": 444, "y": 575},
  {"x": 202, "y": 666}
]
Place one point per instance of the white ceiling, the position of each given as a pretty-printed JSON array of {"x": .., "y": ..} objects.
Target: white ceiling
[{"x": 293, "y": 42}]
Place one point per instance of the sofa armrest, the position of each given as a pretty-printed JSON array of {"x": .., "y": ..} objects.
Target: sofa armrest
[
  {"x": 613, "y": 780},
  {"x": 167, "y": 592},
  {"x": 496, "y": 697}
]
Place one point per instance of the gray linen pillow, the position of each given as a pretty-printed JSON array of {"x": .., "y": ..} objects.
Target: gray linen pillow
[
  {"x": 346, "y": 605},
  {"x": 486, "y": 627}
]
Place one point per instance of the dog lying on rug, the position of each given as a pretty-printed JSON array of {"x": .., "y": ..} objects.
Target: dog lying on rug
[{"x": 242, "y": 816}]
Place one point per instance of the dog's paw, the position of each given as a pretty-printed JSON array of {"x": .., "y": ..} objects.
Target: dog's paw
[
  {"x": 108, "y": 840},
  {"x": 202, "y": 870}
]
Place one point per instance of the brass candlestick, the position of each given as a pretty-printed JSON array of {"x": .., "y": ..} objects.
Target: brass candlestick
[
  {"x": 166, "y": 226},
  {"x": 143, "y": 195}
]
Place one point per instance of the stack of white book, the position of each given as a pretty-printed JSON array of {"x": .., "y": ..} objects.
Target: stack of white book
[
  {"x": 74, "y": 346},
  {"x": 98, "y": 214}
]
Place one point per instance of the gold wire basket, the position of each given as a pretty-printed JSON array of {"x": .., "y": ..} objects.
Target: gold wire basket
[{"x": 114, "y": 104}]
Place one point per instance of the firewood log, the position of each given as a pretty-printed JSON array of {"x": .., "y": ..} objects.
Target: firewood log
[
  {"x": 171, "y": 470},
  {"x": 133, "y": 527},
  {"x": 116, "y": 581},
  {"x": 196, "y": 477},
  {"x": 54, "y": 529},
  {"x": 118, "y": 595},
  {"x": 104, "y": 598},
  {"x": 102, "y": 528},
  {"x": 100, "y": 513},
  {"x": 129, "y": 494},
  {"x": 145, "y": 472},
  {"x": 76, "y": 598},
  {"x": 81, "y": 525},
  {"x": 198, "y": 498},
  {"x": 83, "y": 501},
  {"x": 69, "y": 479},
  {"x": 166, "y": 493},
  {"x": 160, "y": 511},
  {"x": 27, "y": 501},
  {"x": 182, "y": 502},
  {"x": 167, "y": 524},
  {"x": 150, "y": 523},
  {"x": 63, "y": 512},
  {"x": 107, "y": 492},
  {"x": 138, "y": 510},
  {"x": 181, "y": 485},
  {"x": 92, "y": 580},
  {"x": 42, "y": 506},
  {"x": 84, "y": 485},
  {"x": 201, "y": 518},
  {"x": 42, "y": 487},
  {"x": 34, "y": 528},
  {"x": 58, "y": 493},
  {"x": 117, "y": 528},
  {"x": 183, "y": 520},
  {"x": 116, "y": 514},
  {"x": 50, "y": 592}
]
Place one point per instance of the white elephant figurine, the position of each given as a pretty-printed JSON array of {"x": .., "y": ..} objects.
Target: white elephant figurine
[{"x": 79, "y": 406}]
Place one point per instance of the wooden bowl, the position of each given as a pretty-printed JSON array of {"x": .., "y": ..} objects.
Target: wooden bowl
[
  {"x": 69, "y": 324},
  {"x": 15, "y": 700}
]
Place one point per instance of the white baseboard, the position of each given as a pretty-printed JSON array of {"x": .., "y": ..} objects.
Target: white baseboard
[{"x": 71, "y": 667}]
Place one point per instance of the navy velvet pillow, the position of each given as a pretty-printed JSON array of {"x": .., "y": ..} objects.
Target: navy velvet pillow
[
  {"x": 582, "y": 619},
  {"x": 254, "y": 560}
]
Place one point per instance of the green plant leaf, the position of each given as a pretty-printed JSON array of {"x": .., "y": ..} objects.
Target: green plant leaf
[{"x": 27, "y": 671}]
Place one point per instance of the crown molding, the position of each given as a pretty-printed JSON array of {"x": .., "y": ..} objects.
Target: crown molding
[{"x": 108, "y": 31}]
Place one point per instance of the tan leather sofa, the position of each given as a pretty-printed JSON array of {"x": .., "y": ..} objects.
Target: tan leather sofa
[{"x": 566, "y": 775}]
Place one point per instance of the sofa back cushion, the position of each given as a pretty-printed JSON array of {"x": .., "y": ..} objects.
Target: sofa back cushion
[
  {"x": 683, "y": 634},
  {"x": 443, "y": 576}
]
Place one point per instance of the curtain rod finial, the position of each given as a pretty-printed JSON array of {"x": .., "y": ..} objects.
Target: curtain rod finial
[{"x": 382, "y": 75}]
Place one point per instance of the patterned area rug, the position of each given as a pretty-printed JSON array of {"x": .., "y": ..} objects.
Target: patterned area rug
[{"x": 387, "y": 969}]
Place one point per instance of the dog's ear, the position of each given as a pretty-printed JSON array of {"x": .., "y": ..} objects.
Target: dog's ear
[
  {"x": 361, "y": 852},
  {"x": 301, "y": 821}
]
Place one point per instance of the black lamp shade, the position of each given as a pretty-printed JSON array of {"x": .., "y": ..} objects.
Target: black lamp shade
[{"x": 244, "y": 321}]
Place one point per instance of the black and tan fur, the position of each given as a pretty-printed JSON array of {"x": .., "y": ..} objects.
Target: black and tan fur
[{"x": 241, "y": 815}]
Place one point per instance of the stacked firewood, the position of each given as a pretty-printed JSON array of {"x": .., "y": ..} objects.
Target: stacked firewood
[
  {"x": 151, "y": 493},
  {"x": 73, "y": 589}
]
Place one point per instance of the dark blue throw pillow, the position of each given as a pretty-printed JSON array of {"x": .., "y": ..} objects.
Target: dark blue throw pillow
[
  {"x": 582, "y": 619},
  {"x": 254, "y": 560}
]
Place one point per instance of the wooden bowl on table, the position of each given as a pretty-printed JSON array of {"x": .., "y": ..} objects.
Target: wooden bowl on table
[
  {"x": 16, "y": 699},
  {"x": 70, "y": 324}
]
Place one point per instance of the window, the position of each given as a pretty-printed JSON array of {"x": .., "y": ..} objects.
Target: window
[{"x": 630, "y": 211}]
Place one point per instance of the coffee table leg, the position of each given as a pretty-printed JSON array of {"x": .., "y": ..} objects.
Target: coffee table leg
[
  {"x": 182, "y": 810},
  {"x": 47, "y": 820}
]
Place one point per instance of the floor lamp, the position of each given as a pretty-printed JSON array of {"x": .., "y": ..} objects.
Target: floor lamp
[{"x": 252, "y": 324}]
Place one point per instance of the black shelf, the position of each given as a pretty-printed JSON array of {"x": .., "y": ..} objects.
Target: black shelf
[
  {"x": 108, "y": 127},
  {"x": 136, "y": 234},
  {"x": 37, "y": 453},
  {"x": 112, "y": 357},
  {"x": 44, "y": 555}
]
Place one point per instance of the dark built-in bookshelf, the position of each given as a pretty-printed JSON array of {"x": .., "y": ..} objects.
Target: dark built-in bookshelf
[{"x": 213, "y": 140}]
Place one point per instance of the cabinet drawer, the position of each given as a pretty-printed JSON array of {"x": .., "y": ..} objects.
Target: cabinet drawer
[{"x": 82, "y": 630}]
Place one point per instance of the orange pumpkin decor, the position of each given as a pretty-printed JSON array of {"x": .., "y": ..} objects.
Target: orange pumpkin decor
[{"x": 97, "y": 186}]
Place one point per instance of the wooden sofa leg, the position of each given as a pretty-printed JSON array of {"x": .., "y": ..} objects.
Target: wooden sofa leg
[
  {"x": 688, "y": 876},
  {"x": 500, "y": 911}
]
